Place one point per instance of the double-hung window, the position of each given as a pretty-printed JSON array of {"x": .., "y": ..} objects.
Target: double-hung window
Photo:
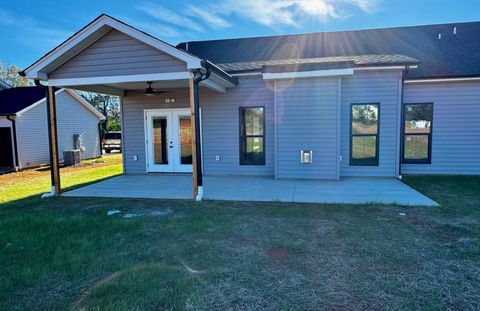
[
  {"x": 252, "y": 136},
  {"x": 364, "y": 139},
  {"x": 417, "y": 133}
]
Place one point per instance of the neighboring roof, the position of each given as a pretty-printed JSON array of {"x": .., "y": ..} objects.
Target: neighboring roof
[
  {"x": 445, "y": 50},
  {"x": 15, "y": 101},
  {"x": 4, "y": 85},
  {"x": 334, "y": 62}
]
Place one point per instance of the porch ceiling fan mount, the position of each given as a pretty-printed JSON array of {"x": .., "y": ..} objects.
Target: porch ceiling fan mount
[{"x": 150, "y": 91}]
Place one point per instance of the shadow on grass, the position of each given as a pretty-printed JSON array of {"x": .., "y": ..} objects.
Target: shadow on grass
[{"x": 23, "y": 200}]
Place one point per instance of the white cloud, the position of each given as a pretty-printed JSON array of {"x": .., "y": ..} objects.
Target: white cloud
[
  {"x": 31, "y": 32},
  {"x": 209, "y": 18},
  {"x": 167, "y": 16},
  {"x": 277, "y": 13}
]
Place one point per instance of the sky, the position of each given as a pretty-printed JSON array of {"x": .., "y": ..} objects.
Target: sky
[{"x": 31, "y": 28}]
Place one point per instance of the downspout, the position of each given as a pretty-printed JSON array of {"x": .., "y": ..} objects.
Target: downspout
[
  {"x": 52, "y": 180},
  {"x": 400, "y": 156},
  {"x": 198, "y": 77},
  {"x": 15, "y": 147}
]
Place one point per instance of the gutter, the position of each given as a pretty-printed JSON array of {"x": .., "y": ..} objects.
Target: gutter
[
  {"x": 402, "y": 129},
  {"x": 215, "y": 69},
  {"x": 15, "y": 147},
  {"x": 198, "y": 77}
]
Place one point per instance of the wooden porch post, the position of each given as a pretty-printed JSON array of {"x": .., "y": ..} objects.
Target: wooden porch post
[
  {"x": 194, "y": 141},
  {"x": 53, "y": 141}
]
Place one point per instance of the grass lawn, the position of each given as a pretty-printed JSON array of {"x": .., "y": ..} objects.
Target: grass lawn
[
  {"x": 36, "y": 181},
  {"x": 67, "y": 253}
]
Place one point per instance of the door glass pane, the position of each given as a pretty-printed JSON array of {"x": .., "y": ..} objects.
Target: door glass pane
[
  {"x": 364, "y": 150},
  {"x": 160, "y": 140},
  {"x": 185, "y": 128},
  {"x": 416, "y": 147},
  {"x": 364, "y": 119},
  {"x": 418, "y": 118}
]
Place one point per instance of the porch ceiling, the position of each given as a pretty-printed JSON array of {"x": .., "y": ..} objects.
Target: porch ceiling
[{"x": 118, "y": 88}]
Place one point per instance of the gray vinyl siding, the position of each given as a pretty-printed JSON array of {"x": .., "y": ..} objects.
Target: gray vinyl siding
[
  {"x": 133, "y": 133},
  {"x": 72, "y": 118},
  {"x": 383, "y": 87},
  {"x": 456, "y": 127},
  {"x": 221, "y": 128},
  {"x": 118, "y": 54},
  {"x": 307, "y": 118}
]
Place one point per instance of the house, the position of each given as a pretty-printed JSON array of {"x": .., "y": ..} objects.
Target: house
[
  {"x": 323, "y": 106},
  {"x": 24, "y": 131}
]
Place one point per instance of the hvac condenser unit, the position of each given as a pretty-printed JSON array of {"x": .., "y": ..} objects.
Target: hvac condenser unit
[{"x": 71, "y": 157}]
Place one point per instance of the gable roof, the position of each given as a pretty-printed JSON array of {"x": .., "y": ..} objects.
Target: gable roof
[
  {"x": 15, "y": 101},
  {"x": 92, "y": 32},
  {"x": 443, "y": 51}
]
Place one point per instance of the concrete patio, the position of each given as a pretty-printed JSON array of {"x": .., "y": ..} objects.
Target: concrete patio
[{"x": 348, "y": 190}]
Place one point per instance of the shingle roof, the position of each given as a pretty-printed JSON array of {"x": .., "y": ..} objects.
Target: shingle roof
[
  {"x": 16, "y": 99},
  {"x": 362, "y": 60},
  {"x": 451, "y": 55}
]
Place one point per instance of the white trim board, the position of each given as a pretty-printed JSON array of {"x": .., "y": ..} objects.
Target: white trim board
[
  {"x": 308, "y": 74},
  {"x": 86, "y": 104},
  {"x": 121, "y": 79},
  {"x": 19, "y": 113},
  {"x": 103, "y": 24},
  {"x": 440, "y": 80},
  {"x": 75, "y": 96}
]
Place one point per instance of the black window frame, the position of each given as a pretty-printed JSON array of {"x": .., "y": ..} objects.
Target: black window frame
[
  {"x": 243, "y": 136},
  {"x": 352, "y": 161},
  {"x": 404, "y": 136}
]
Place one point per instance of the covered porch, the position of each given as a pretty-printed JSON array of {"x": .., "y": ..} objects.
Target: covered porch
[
  {"x": 353, "y": 190},
  {"x": 158, "y": 86}
]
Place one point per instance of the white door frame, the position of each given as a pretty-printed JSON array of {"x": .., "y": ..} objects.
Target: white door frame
[{"x": 173, "y": 165}]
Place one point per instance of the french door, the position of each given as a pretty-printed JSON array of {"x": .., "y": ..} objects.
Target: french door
[{"x": 169, "y": 140}]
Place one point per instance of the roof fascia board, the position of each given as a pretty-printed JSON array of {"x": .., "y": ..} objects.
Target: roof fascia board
[
  {"x": 121, "y": 79},
  {"x": 19, "y": 113},
  {"x": 34, "y": 72},
  {"x": 382, "y": 68},
  {"x": 441, "y": 80},
  {"x": 211, "y": 84},
  {"x": 256, "y": 73},
  {"x": 86, "y": 104},
  {"x": 308, "y": 74}
]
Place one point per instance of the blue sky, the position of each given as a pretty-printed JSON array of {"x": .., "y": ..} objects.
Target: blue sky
[{"x": 30, "y": 28}]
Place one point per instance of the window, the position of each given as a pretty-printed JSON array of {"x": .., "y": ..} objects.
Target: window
[
  {"x": 252, "y": 136},
  {"x": 364, "y": 134},
  {"x": 417, "y": 133}
]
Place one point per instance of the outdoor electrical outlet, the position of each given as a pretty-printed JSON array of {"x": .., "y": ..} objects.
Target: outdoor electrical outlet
[
  {"x": 135, "y": 158},
  {"x": 217, "y": 158}
]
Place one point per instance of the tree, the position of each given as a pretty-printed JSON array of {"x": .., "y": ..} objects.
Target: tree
[
  {"x": 109, "y": 106},
  {"x": 9, "y": 74}
]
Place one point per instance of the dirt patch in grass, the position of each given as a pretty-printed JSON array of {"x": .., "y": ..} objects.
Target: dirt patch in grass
[{"x": 279, "y": 255}]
